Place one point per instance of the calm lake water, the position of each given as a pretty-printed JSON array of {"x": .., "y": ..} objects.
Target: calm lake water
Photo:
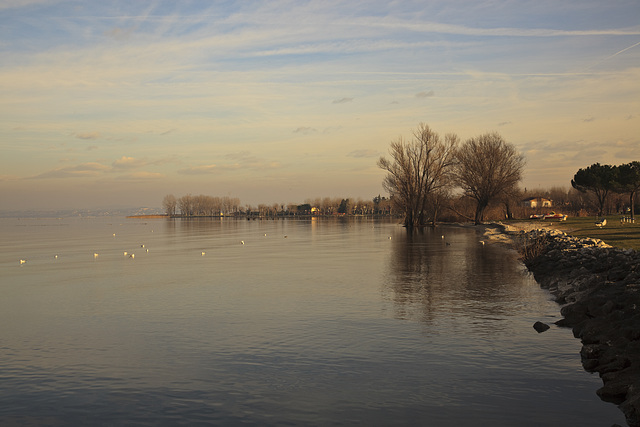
[{"x": 309, "y": 322}]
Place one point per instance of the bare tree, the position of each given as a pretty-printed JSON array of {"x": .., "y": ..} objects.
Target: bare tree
[
  {"x": 487, "y": 167},
  {"x": 185, "y": 204},
  {"x": 169, "y": 203},
  {"x": 417, "y": 171}
]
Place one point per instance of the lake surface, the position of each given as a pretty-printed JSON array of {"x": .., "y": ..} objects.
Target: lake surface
[{"x": 308, "y": 322}]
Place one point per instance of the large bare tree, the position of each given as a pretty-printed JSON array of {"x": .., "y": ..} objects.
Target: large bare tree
[
  {"x": 418, "y": 173},
  {"x": 488, "y": 167}
]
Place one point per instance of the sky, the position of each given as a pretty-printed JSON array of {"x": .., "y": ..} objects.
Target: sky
[{"x": 119, "y": 103}]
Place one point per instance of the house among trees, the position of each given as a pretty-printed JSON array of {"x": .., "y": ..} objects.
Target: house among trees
[{"x": 537, "y": 202}]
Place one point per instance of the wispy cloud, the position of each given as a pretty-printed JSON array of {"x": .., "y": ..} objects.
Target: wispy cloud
[
  {"x": 305, "y": 130},
  {"x": 452, "y": 29},
  {"x": 614, "y": 55},
  {"x": 120, "y": 34},
  {"x": 125, "y": 162},
  {"x": 239, "y": 160},
  {"x": 342, "y": 100},
  {"x": 91, "y": 169},
  {"x": 9, "y": 178},
  {"x": 120, "y": 168},
  {"x": 243, "y": 155},
  {"x": 428, "y": 94},
  {"x": 87, "y": 135},
  {"x": 14, "y": 4},
  {"x": 141, "y": 176},
  {"x": 245, "y": 159},
  {"x": 364, "y": 153},
  {"x": 199, "y": 170}
]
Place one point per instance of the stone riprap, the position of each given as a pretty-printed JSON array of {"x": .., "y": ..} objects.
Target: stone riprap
[{"x": 598, "y": 287}]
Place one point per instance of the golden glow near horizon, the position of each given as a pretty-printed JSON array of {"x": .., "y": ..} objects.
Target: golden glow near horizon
[{"x": 120, "y": 103}]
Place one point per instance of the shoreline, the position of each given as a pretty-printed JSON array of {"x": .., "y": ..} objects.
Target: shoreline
[{"x": 598, "y": 289}]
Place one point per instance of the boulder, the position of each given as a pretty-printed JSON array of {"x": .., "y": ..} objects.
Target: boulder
[{"x": 540, "y": 327}]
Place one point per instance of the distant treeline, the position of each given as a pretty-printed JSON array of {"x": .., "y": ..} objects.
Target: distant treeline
[
  {"x": 200, "y": 205},
  {"x": 207, "y": 206},
  {"x": 459, "y": 208}
]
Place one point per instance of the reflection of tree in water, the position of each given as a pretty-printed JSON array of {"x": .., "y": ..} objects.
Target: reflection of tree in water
[{"x": 430, "y": 277}]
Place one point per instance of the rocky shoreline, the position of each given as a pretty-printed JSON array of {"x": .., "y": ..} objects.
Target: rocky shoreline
[{"x": 598, "y": 288}]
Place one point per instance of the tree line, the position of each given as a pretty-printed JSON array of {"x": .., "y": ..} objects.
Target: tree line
[
  {"x": 423, "y": 172},
  {"x": 202, "y": 205}
]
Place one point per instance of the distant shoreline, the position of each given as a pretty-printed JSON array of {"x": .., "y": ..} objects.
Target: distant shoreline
[{"x": 263, "y": 217}]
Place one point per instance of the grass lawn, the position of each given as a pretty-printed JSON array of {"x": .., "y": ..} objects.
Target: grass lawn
[{"x": 621, "y": 235}]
